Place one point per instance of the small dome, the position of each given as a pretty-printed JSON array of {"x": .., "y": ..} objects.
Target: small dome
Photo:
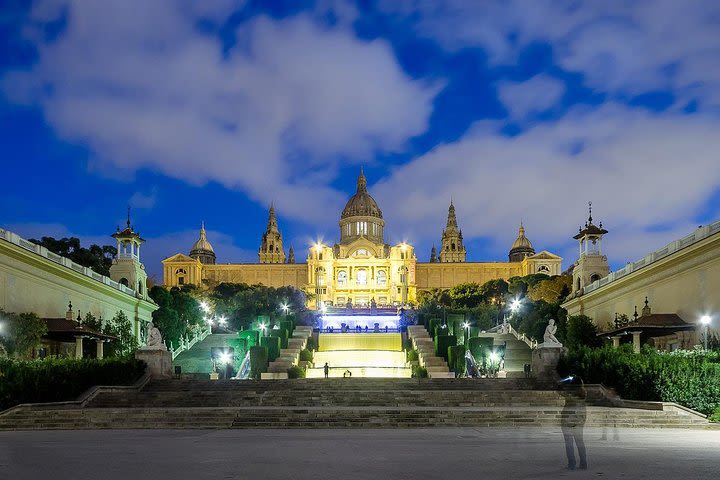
[
  {"x": 521, "y": 242},
  {"x": 361, "y": 204},
  {"x": 202, "y": 245}
]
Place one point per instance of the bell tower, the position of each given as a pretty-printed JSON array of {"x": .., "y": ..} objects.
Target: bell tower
[
  {"x": 452, "y": 248},
  {"x": 126, "y": 268},
  {"x": 592, "y": 265},
  {"x": 271, "y": 247}
]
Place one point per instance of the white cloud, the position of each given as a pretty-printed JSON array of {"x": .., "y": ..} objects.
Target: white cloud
[
  {"x": 641, "y": 171},
  {"x": 141, "y": 87},
  {"x": 143, "y": 200},
  {"x": 536, "y": 95},
  {"x": 625, "y": 47}
]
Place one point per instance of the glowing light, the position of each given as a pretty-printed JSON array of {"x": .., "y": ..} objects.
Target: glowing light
[
  {"x": 403, "y": 246},
  {"x": 493, "y": 357},
  {"x": 323, "y": 308},
  {"x": 515, "y": 305},
  {"x": 285, "y": 308},
  {"x": 225, "y": 358},
  {"x": 263, "y": 326},
  {"x": 222, "y": 321},
  {"x": 209, "y": 320},
  {"x": 205, "y": 306},
  {"x": 466, "y": 325},
  {"x": 318, "y": 247},
  {"x": 705, "y": 319}
]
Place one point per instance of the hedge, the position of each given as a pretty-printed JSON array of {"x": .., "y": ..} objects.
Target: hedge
[
  {"x": 288, "y": 325},
  {"x": 273, "y": 347},
  {"x": 688, "y": 378},
  {"x": 480, "y": 347},
  {"x": 442, "y": 343},
  {"x": 258, "y": 361},
  {"x": 456, "y": 359},
  {"x": 412, "y": 356},
  {"x": 306, "y": 355},
  {"x": 282, "y": 334},
  {"x": 61, "y": 379},
  {"x": 251, "y": 337},
  {"x": 419, "y": 372},
  {"x": 296, "y": 372}
]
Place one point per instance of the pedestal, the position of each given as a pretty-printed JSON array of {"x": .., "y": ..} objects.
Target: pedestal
[
  {"x": 159, "y": 362},
  {"x": 545, "y": 360}
]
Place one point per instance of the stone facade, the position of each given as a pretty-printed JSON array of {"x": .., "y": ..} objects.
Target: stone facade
[
  {"x": 361, "y": 267},
  {"x": 681, "y": 278},
  {"x": 33, "y": 279}
]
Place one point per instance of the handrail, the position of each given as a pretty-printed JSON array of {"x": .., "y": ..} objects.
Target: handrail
[
  {"x": 532, "y": 343},
  {"x": 186, "y": 344}
]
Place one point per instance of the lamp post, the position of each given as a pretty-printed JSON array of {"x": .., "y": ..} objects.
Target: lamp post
[
  {"x": 466, "y": 326},
  {"x": 705, "y": 321}
]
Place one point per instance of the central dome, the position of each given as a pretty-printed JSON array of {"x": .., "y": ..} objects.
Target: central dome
[{"x": 361, "y": 204}]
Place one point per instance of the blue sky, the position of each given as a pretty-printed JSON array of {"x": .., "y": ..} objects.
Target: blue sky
[{"x": 208, "y": 111}]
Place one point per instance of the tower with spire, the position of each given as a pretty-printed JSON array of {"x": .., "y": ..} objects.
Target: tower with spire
[
  {"x": 271, "y": 246},
  {"x": 126, "y": 268},
  {"x": 291, "y": 255},
  {"x": 592, "y": 265},
  {"x": 202, "y": 250},
  {"x": 433, "y": 254},
  {"x": 521, "y": 247},
  {"x": 452, "y": 248}
]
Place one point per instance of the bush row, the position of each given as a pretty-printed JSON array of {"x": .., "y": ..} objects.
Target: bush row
[
  {"x": 61, "y": 379},
  {"x": 688, "y": 378}
]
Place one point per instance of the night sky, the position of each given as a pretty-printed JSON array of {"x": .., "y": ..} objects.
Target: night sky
[{"x": 209, "y": 111}]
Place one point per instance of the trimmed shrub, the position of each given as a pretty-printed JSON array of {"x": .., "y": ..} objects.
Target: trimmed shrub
[
  {"x": 690, "y": 378},
  {"x": 306, "y": 355},
  {"x": 433, "y": 324},
  {"x": 258, "y": 361},
  {"x": 456, "y": 359},
  {"x": 282, "y": 334},
  {"x": 419, "y": 372},
  {"x": 296, "y": 372},
  {"x": 311, "y": 343},
  {"x": 412, "y": 356},
  {"x": 442, "y": 343},
  {"x": 62, "y": 379},
  {"x": 289, "y": 326},
  {"x": 480, "y": 347},
  {"x": 252, "y": 337},
  {"x": 273, "y": 347}
]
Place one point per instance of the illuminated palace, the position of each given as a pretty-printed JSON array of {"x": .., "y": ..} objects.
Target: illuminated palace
[{"x": 361, "y": 269}]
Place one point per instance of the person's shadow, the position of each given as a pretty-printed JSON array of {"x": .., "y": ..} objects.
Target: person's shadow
[{"x": 572, "y": 422}]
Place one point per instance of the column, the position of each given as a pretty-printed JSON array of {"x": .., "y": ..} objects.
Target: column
[
  {"x": 78, "y": 347},
  {"x": 99, "y": 346},
  {"x": 636, "y": 341},
  {"x": 616, "y": 341}
]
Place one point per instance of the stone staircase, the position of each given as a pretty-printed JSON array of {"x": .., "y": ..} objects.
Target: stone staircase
[
  {"x": 197, "y": 359},
  {"x": 436, "y": 366},
  {"x": 331, "y": 403},
  {"x": 288, "y": 356},
  {"x": 517, "y": 352}
]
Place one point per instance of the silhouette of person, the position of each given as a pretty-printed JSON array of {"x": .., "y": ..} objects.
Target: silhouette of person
[
  {"x": 326, "y": 368},
  {"x": 573, "y": 419}
]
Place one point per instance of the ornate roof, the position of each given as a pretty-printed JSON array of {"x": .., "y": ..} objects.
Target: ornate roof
[
  {"x": 522, "y": 242},
  {"x": 361, "y": 204},
  {"x": 202, "y": 245},
  {"x": 590, "y": 229}
]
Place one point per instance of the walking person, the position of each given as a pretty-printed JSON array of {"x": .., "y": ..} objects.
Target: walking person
[
  {"x": 326, "y": 368},
  {"x": 573, "y": 420}
]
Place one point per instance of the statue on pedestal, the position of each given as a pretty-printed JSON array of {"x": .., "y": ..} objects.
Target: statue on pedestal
[
  {"x": 549, "y": 339},
  {"x": 154, "y": 339}
]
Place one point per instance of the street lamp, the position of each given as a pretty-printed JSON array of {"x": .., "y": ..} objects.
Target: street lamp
[
  {"x": 466, "y": 326},
  {"x": 263, "y": 327},
  {"x": 705, "y": 321}
]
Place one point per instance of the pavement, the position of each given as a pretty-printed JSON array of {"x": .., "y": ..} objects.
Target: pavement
[{"x": 418, "y": 454}]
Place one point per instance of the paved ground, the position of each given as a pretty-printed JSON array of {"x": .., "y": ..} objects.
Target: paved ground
[{"x": 461, "y": 453}]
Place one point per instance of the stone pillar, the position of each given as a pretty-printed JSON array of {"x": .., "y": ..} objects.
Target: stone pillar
[
  {"x": 78, "y": 347},
  {"x": 616, "y": 341},
  {"x": 636, "y": 341},
  {"x": 159, "y": 362},
  {"x": 99, "y": 346},
  {"x": 545, "y": 358}
]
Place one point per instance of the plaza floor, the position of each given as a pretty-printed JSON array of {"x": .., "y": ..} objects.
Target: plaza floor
[{"x": 464, "y": 453}]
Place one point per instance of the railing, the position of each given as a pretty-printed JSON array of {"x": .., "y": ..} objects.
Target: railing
[
  {"x": 64, "y": 261},
  {"x": 672, "y": 247},
  {"x": 187, "y": 344},
  {"x": 522, "y": 337}
]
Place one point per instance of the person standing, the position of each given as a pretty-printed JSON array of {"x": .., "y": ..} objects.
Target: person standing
[{"x": 326, "y": 368}]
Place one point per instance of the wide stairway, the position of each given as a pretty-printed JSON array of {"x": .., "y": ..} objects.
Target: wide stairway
[
  {"x": 197, "y": 359},
  {"x": 517, "y": 352},
  {"x": 334, "y": 403}
]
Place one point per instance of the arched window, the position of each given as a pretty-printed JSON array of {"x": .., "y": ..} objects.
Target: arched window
[
  {"x": 180, "y": 271},
  {"x": 452, "y": 246},
  {"x": 360, "y": 252},
  {"x": 594, "y": 277},
  {"x": 543, "y": 268},
  {"x": 578, "y": 283},
  {"x": 124, "y": 281},
  {"x": 362, "y": 277},
  {"x": 342, "y": 278},
  {"x": 140, "y": 287},
  {"x": 381, "y": 278}
]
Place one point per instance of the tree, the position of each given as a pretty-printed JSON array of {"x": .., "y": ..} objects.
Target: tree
[
  {"x": 581, "y": 331},
  {"x": 551, "y": 290},
  {"x": 23, "y": 333},
  {"x": 495, "y": 290},
  {"x": 121, "y": 327},
  {"x": 466, "y": 295},
  {"x": 179, "y": 311},
  {"x": 98, "y": 258}
]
